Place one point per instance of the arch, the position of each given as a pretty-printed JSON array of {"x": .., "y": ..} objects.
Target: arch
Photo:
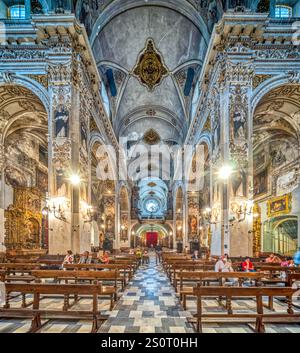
[
  {"x": 26, "y": 82},
  {"x": 266, "y": 87},
  {"x": 119, "y": 6}
]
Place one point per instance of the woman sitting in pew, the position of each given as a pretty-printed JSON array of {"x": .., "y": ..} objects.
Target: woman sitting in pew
[
  {"x": 69, "y": 259},
  {"x": 247, "y": 265},
  {"x": 104, "y": 259}
]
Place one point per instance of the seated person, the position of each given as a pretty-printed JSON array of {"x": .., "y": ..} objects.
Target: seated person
[
  {"x": 85, "y": 258},
  {"x": 285, "y": 262},
  {"x": 195, "y": 255},
  {"x": 220, "y": 264},
  {"x": 228, "y": 266},
  {"x": 104, "y": 259},
  {"x": 272, "y": 259},
  {"x": 247, "y": 265},
  {"x": 69, "y": 259}
]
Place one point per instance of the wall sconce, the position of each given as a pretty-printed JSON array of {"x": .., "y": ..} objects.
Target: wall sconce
[
  {"x": 57, "y": 208},
  {"x": 242, "y": 210}
]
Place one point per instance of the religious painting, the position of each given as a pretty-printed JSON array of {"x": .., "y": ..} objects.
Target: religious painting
[
  {"x": 110, "y": 225},
  {"x": 279, "y": 205},
  {"x": 260, "y": 183},
  {"x": 61, "y": 118},
  {"x": 193, "y": 222},
  {"x": 41, "y": 181}
]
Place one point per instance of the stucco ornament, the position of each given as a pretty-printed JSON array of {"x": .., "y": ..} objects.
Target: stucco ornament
[{"x": 150, "y": 68}]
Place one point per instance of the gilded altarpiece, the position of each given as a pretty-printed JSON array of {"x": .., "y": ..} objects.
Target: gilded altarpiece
[{"x": 23, "y": 222}]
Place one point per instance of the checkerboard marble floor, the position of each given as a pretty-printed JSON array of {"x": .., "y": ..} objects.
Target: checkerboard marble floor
[{"x": 149, "y": 304}]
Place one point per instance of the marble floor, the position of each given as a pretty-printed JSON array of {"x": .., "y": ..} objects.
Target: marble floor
[{"x": 148, "y": 305}]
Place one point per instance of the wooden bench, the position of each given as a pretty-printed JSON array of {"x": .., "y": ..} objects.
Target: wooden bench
[
  {"x": 204, "y": 278},
  {"x": 293, "y": 277},
  {"x": 77, "y": 276},
  {"x": 259, "y": 315},
  {"x": 124, "y": 269},
  {"x": 189, "y": 267},
  {"x": 36, "y": 314}
]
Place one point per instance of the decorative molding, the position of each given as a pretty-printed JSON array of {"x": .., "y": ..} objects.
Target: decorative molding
[
  {"x": 259, "y": 79},
  {"x": 150, "y": 68},
  {"x": 41, "y": 79}
]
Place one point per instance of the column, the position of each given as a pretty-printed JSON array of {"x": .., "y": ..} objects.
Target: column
[{"x": 236, "y": 153}]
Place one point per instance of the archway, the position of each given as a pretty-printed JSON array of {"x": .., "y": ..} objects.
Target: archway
[
  {"x": 276, "y": 143},
  {"x": 280, "y": 235},
  {"x": 164, "y": 235},
  {"x": 24, "y": 169}
]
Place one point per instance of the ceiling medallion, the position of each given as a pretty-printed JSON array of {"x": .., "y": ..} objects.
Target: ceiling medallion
[
  {"x": 150, "y": 68},
  {"x": 151, "y": 137}
]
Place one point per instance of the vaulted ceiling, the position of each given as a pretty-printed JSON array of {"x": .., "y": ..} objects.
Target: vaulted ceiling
[{"x": 150, "y": 89}]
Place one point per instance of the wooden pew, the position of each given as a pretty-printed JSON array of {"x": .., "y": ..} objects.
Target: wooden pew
[
  {"x": 293, "y": 277},
  {"x": 54, "y": 289},
  {"x": 76, "y": 276},
  {"x": 202, "y": 278},
  {"x": 124, "y": 269},
  {"x": 273, "y": 273},
  {"x": 241, "y": 292},
  {"x": 189, "y": 266},
  {"x": 19, "y": 272}
]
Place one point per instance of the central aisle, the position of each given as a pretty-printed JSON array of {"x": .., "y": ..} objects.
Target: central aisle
[{"x": 149, "y": 304}]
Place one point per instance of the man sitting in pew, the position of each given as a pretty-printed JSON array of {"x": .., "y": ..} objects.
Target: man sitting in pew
[
  {"x": 220, "y": 264},
  {"x": 195, "y": 255},
  {"x": 85, "y": 258}
]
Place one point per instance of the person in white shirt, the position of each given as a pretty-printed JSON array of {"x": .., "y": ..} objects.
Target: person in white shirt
[{"x": 220, "y": 264}]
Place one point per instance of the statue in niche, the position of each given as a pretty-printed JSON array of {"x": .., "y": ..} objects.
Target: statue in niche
[
  {"x": 239, "y": 121},
  {"x": 61, "y": 117},
  {"x": 216, "y": 136},
  {"x": 83, "y": 135}
]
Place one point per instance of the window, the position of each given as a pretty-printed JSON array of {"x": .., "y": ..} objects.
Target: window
[
  {"x": 152, "y": 206},
  {"x": 283, "y": 11},
  {"x": 17, "y": 12}
]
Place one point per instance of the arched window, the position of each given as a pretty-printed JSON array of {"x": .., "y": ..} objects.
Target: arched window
[
  {"x": 17, "y": 12},
  {"x": 283, "y": 11}
]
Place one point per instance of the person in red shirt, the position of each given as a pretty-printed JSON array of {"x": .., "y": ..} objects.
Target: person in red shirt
[{"x": 247, "y": 265}]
